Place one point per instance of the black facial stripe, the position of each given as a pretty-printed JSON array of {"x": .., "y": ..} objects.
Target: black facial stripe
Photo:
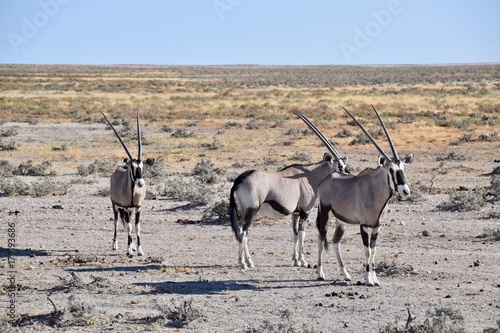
[{"x": 400, "y": 177}]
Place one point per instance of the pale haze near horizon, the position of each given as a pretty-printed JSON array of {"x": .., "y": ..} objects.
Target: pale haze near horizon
[{"x": 217, "y": 32}]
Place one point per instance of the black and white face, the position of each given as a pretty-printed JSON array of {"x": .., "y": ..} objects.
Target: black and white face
[
  {"x": 137, "y": 167},
  {"x": 342, "y": 166},
  {"x": 397, "y": 174}
]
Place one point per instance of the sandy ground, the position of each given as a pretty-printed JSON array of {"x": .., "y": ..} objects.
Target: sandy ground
[{"x": 64, "y": 262}]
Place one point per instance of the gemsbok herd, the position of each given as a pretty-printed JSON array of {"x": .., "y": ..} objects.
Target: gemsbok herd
[{"x": 294, "y": 190}]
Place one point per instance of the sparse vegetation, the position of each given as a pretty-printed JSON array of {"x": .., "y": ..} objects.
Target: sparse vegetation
[
  {"x": 101, "y": 167},
  {"x": 179, "y": 315},
  {"x": 223, "y": 120},
  {"x": 463, "y": 201},
  {"x": 438, "y": 320}
]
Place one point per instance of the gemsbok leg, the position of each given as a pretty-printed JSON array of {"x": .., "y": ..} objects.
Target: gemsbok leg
[
  {"x": 337, "y": 237},
  {"x": 370, "y": 250},
  {"x": 322, "y": 224},
  {"x": 115, "y": 219},
  {"x": 138, "y": 231},
  {"x": 299, "y": 222}
]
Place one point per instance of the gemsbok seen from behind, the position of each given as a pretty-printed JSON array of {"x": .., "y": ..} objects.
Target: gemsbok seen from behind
[
  {"x": 276, "y": 194},
  {"x": 128, "y": 190},
  {"x": 360, "y": 200}
]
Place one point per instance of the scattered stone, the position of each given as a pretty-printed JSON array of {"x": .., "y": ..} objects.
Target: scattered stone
[
  {"x": 57, "y": 207},
  {"x": 426, "y": 233},
  {"x": 476, "y": 263}
]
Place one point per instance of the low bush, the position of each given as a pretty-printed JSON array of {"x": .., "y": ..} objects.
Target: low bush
[
  {"x": 463, "y": 201},
  {"x": 29, "y": 169},
  {"x": 188, "y": 189},
  {"x": 438, "y": 320},
  {"x": 206, "y": 172},
  {"x": 15, "y": 186},
  {"x": 103, "y": 167}
]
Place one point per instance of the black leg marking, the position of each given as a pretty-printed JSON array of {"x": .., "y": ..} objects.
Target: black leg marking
[
  {"x": 295, "y": 224},
  {"x": 302, "y": 220},
  {"x": 249, "y": 216},
  {"x": 373, "y": 240},
  {"x": 364, "y": 237},
  {"x": 137, "y": 217},
  {"x": 338, "y": 234},
  {"x": 321, "y": 223}
]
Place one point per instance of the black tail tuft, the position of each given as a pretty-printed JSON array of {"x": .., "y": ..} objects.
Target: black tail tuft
[{"x": 233, "y": 215}]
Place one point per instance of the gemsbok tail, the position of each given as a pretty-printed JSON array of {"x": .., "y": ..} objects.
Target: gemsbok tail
[{"x": 233, "y": 215}]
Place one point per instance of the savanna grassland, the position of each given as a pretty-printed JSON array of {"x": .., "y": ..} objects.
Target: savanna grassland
[{"x": 438, "y": 258}]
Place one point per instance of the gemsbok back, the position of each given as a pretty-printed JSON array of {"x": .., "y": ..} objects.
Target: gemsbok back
[
  {"x": 128, "y": 190},
  {"x": 361, "y": 200},
  {"x": 275, "y": 194}
]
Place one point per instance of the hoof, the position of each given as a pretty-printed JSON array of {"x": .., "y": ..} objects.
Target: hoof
[{"x": 320, "y": 278}]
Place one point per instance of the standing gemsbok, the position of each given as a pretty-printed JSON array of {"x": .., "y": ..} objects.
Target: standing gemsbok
[
  {"x": 361, "y": 200},
  {"x": 128, "y": 190},
  {"x": 275, "y": 194}
]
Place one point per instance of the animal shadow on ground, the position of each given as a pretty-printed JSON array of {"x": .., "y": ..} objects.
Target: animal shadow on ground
[
  {"x": 4, "y": 253},
  {"x": 195, "y": 287}
]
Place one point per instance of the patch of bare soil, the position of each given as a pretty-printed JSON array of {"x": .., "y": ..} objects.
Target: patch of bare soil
[{"x": 64, "y": 275}]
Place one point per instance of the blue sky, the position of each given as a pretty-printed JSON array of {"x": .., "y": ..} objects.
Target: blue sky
[{"x": 266, "y": 32}]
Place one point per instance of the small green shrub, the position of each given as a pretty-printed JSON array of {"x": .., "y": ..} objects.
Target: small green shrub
[
  {"x": 491, "y": 234},
  {"x": 344, "y": 133},
  {"x": 6, "y": 169},
  {"x": 439, "y": 320},
  {"x": 463, "y": 201},
  {"x": 188, "y": 189},
  {"x": 8, "y": 132},
  {"x": 206, "y": 172},
  {"x": 28, "y": 169},
  {"x": 7, "y": 146},
  {"x": 217, "y": 214},
  {"x": 16, "y": 187},
  {"x": 301, "y": 157},
  {"x": 181, "y": 133},
  {"x": 103, "y": 167},
  {"x": 13, "y": 187},
  {"x": 179, "y": 315}
]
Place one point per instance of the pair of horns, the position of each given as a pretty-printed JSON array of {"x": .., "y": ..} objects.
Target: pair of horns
[
  {"x": 394, "y": 152},
  {"x": 320, "y": 135},
  {"x": 121, "y": 141}
]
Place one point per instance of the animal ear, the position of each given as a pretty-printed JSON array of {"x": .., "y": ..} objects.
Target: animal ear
[
  {"x": 408, "y": 159},
  {"x": 124, "y": 160},
  {"x": 150, "y": 161},
  {"x": 345, "y": 159},
  {"x": 381, "y": 160},
  {"x": 327, "y": 158}
]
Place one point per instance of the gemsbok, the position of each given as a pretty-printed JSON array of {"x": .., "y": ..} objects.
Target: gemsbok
[
  {"x": 128, "y": 190},
  {"x": 276, "y": 194},
  {"x": 362, "y": 200}
]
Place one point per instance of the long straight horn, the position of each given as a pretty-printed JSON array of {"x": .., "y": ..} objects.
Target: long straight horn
[
  {"x": 320, "y": 136},
  {"x": 368, "y": 135},
  {"x": 121, "y": 141},
  {"x": 139, "y": 138},
  {"x": 396, "y": 158}
]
